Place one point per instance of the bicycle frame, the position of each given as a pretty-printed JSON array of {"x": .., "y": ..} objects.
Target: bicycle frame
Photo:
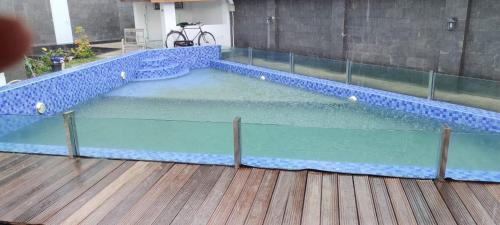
[{"x": 183, "y": 31}]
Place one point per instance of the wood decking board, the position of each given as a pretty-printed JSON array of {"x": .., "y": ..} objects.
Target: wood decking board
[
  {"x": 347, "y": 201},
  {"x": 382, "y": 202},
  {"x": 470, "y": 201},
  {"x": 329, "y": 200},
  {"x": 58, "y": 190},
  {"x": 364, "y": 201}
]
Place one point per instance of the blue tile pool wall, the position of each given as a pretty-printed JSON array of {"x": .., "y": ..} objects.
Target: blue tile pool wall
[
  {"x": 62, "y": 90},
  {"x": 471, "y": 117},
  {"x": 262, "y": 162}
]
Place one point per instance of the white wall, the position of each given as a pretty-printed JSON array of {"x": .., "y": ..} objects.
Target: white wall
[
  {"x": 62, "y": 23},
  {"x": 3, "y": 81},
  {"x": 214, "y": 14}
]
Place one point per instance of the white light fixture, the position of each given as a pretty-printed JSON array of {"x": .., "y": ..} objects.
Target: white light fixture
[
  {"x": 123, "y": 75},
  {"x": 452, "y": 23},
  {"x": 40, "y": 107},
  {"x": 262, "y": 77},
  {"x": 352, "y": 99}
]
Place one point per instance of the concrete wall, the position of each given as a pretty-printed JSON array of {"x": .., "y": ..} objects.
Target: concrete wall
[
  {"x": 403, "y": 33},
  {"x": 103, "y": 20},
  {"x": 37, "y": 15}
]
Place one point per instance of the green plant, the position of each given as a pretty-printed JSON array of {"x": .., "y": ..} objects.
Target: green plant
[
  {"x": 83, "y": 48},
  {"x": 36, "y": 66}
]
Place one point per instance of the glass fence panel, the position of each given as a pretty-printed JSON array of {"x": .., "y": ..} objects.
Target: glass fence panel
[
  {"x": 320, "y": 67},
  {"x": 153, "y": 135},
  {"x": 239, "y": 55},
  {"x": 271, "y": 60},
  {"x": 373, "y": 147},
  {"x": 33, "y": 134},
  {"x": 400, "y": 80},
  {"x": 474, "y": 151},
  {"x": 468, "y": 91}
]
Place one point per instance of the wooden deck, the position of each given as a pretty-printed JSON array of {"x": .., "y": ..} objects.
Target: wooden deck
[{"x": 57, "y": 190}]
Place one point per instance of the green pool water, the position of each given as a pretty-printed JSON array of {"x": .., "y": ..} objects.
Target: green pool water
[{"x": 194, "y": 114}]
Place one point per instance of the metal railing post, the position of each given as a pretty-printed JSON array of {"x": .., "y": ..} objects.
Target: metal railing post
[
  {"x": 71, "y": 136},
  {"x": 250, "y": 55},
  {"x": 443, "y": 156},
  {"x": 292, "y": 63},
  {"x": 430, "y": 87},
  {"x": 348, "y": 72},
  {"x": 237, "y": 143}
]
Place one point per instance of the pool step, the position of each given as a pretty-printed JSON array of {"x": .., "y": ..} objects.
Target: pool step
[
  {"x": 166, "y": 71},
  {"x": 155, "y": 62}
]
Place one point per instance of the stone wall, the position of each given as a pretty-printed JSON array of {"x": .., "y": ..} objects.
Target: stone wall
[{"x": 402, "y": 33}]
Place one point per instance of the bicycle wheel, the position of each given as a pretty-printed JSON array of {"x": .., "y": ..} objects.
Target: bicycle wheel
[
  {"x": 172, "y": 37},
  {"x": 206, "y": 38}
]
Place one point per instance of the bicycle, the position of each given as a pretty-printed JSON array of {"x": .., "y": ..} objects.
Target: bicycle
[{"x": 180, "y": 37}]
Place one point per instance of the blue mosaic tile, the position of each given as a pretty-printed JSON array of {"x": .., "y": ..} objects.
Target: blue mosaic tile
[{"x": 447, "y": 112}]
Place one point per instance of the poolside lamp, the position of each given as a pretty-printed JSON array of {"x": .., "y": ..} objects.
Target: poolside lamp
[
  {"x": 452, "y": 23},
  {"x": 40, "y": 107}
]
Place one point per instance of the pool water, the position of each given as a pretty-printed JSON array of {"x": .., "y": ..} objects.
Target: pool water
[{"x": 194, "y": 114}]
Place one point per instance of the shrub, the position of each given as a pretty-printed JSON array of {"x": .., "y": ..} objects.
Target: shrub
[{"x": 83, "y": 48}]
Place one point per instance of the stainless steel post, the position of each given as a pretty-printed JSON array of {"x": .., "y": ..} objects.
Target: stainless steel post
[
  {"x": 71, "y": 136},
  {"x": 250, "y": 55},
  {"x": 236, "y": 141},
  {"x": 292, "y": 63},
  {"x": 348, "y": 72},
  {"x": 443, "y": 156},
  {"x": 431, "y": 85}
]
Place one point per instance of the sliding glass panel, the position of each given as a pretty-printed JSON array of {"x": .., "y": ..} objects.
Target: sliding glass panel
[
  {"x": 320, "y": 67},
  {"x": 468, "y": 91},
  {"x": 371, "y": 151},
  {"x": 474, "y": 151},
  {"x": 239, "y": 55},
  {"x": 33, "y": 134},
  {"x": 400, "y": 80},
  {"x": 271, "y": 60}
]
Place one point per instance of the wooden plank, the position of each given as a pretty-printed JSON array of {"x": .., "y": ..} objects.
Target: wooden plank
[
  {"x": 400, "y": 203},
  {"x": 64, "y": 195},
  {"x": 312, "y": 199},
  {"x": 279, "y": 199},
  {"x": 347, "y": 200},
  {"x": 197, "y": 198},
  {"x": 12, "y": 160},
  {"x": 436, "y": 203},
  {"x": 27, "y": 178},
  {"x": 476, "y": 210},
  {"x": 262, "y": 199},
  {"x": 7, "y": 171},
  {"x": 364, "y": 201},
  {"x": 417, "y": 202},
  {"x": 161, "y": 194},
  {"x": 104, "y": 194},
  {"x": 53, "y": 181},
  {"x": 246, "y": 198},
  {"x": 494, "y": 190},
  {"x": 456, "y": 207},
  {"x": 115, "y": 215},
  {"x": 82, "y": 199},
  {"x": 26, "y": 173},
  {"x": 487, "y": 200},
  {"x": 329, "y": 200},
  {"x": 192, "y": 194},
  {"x": 382, "y": 202},
  {"x": 228, "y": 201},
  {"x": 295, "y": 202},
  {"x": 208, "y": 206},
  {"x": 120, "y": 195}
]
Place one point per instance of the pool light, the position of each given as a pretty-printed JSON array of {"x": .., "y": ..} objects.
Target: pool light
[
  {"x": 352, "y": 98},
  {"x": 123, "y": 75},
  {"x": 40, "y": 107},
  {"x": 262, "y": 77}
]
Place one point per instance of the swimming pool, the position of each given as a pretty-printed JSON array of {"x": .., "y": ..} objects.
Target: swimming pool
[{"x": 189, "y": 119}]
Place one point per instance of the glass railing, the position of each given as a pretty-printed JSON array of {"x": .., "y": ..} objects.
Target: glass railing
[
  {"x": 468, "y": 91},
  {"x": 369, "y": 151},
  {"x": 462, "y": 90},
  {"x": 34, "y": 134},
  {"x": 474, "y": 151},
  {"x": 399, "y": 80}
]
